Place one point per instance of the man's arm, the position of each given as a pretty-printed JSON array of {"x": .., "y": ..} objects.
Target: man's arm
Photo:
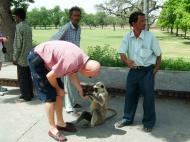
[
  {"x": 157, "y": 65},
  {"x": 17, "y": 45},
  {"x": 52, "y": 78},
  {"x": 59, "y": 35},
  {"x": 130, "y": 63},
  {"x": 76, "y": 83}
]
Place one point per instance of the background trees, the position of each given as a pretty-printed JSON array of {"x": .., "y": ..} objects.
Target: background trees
[{"x": 175, "y": 14}]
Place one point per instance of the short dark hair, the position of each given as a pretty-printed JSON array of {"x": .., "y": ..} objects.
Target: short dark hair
[
  {"x": 74, "y": 9},
  {"x": 134, "y": 17},
  {"x": 21, "y": 12}
]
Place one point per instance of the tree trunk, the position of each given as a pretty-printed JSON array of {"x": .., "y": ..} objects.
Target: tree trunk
[
  {"x": 8, "y": 27},
  {"x": 177, "y": 30},
  {"x": 171, "y": 29},
  {"x": 185, "y": 32},
  {"x": 114, "y": 27}
]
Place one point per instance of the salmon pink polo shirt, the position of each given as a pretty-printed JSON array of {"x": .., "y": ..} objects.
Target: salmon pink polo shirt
[{"x": 61, "y": 57}]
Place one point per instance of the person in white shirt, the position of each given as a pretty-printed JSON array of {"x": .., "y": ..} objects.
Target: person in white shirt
[{"x": 143, "y": 58}]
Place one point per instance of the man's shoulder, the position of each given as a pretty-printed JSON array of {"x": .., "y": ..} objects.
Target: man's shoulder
[
  {"x": 148, "y": 33},
  {"x": 127, "y": 35},
  {"x": 66, "y": 26},
  {"x": 23, "y": 25}
]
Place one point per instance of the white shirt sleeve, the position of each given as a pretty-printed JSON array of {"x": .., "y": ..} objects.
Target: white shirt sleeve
[
  {"x": 156, "y": 46},
  {"x": 124, "y": 45}
]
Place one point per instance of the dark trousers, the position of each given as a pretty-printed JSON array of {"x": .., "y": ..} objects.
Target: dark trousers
[
  {"x": 25, "y": 82},
  {"x": 140, "y": 81}
]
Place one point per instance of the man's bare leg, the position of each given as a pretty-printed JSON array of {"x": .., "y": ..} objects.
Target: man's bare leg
[
  {"x": 59, "y": 111},
  {"x": 50, "y": 109}
]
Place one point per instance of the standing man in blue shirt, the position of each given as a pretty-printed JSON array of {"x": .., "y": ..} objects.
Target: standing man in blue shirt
[
  {"x": 70, "y": 32},
  {"x": 143, "y": 58}
]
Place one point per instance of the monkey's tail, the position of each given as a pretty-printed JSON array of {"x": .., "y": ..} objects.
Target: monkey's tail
[{"x": 113, "y": 115}]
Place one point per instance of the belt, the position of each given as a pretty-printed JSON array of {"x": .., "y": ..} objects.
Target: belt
[{"x": 142, "y": 67}]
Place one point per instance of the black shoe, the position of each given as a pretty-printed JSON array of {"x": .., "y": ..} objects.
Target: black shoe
[
  {"x": 21, "y": 100},
  {"x": 148, "y": 130},
  {"x": 122, "y": 123},
  {"x": 77, "y": 106}
]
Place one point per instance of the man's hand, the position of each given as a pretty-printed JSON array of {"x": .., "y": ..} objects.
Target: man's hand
[
  {"x": 60, "y": 92},
  {"x": 157, "y": 66},
  {"x": 155, "y": 70},
  {"x": 131, "y": 64},
  {"x": 5, "y": 39},
  {"x": 81, "y": 93}
]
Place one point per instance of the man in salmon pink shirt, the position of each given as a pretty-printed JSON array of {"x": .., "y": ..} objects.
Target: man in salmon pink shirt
[{"x": 48, "y": 62}]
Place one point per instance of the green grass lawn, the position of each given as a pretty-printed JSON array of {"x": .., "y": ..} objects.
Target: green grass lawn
[{"x": 172, "y": 47}]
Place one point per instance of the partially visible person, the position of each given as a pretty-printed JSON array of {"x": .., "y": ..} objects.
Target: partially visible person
[
  {"x": 48, "y": 62},
  {"x": 21, "y": 48},
  {"x": 143, "y": 58},
  {"x": 70, "y": 32},
  {"x": 2, "y": 41}
]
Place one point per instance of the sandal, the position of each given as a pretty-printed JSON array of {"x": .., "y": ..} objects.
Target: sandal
[
  {"x": 69, "y": 127},
  {"x": 58, "y": 137}
]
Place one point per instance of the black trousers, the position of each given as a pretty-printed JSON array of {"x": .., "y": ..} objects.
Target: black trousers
[{"x": 25, "y": 82}]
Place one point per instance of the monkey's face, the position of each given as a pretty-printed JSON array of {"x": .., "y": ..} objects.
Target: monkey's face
[{"x": 99, "y": 88}]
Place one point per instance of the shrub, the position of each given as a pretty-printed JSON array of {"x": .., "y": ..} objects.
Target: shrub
[
  {"x": 34, "y": 43},
  {"x": 108, "y": 56},
  {"x": 175, "y": 64}
]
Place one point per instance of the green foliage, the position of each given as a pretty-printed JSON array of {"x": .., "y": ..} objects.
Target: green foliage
[
  {"x": 21, "y": 3},
  {"x": 175, "y": 64},
  {"x": 108, "y": 56},
  {"x": 34, "y": 43},
  {"x": 175, "y": 13}
]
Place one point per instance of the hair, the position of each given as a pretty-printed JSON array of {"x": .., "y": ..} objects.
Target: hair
[
  {"x": 21, "y": 12},
  {"x": 74, "y": 9},
  {"x": 134, "y": 17}
]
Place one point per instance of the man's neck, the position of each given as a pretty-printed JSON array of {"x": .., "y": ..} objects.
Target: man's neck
[
  {"x": 137, "y": 32},
  {"x": 75, "y": 25},
  {"x": 20, "y": 21}
]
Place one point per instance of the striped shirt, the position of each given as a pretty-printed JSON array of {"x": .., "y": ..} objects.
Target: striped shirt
[
  {"x": 22, "y": 43},
  {"x": 68, "y": 33}
]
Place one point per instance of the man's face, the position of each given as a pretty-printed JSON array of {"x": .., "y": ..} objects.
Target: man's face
[
  {"x": 75, "y": 17},
  {"x": 140, "y": 24},
  {"x": 17, "y": 19}
]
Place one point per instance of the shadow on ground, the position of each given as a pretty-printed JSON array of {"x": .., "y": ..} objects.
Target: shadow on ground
[{"x": 173, "y": 120}]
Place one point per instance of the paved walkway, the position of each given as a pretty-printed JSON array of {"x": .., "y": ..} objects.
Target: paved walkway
[{"x": 27, "y": 122}]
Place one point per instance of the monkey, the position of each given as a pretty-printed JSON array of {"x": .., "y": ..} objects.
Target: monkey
[{"x": 98, "y": 107}]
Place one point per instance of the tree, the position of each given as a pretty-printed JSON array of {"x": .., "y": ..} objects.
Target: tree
[
  {"x": 45, "y": 17},
  {"x": 167, "y": 15},
  {"x": 123, "y": 8},
  {"x": 56, "y": 15},
  {"x": 176, "y": 14},
  {"x": 33, "y": 17},
  {"x": 65, "y": 16},
  {"x": 89, "y": 20},
  {"x": 101, "y": 18},
  {"x": 113, "y": 20},
  {"x": 183, "y": 16},
  {"x": 8, "y": 24}
]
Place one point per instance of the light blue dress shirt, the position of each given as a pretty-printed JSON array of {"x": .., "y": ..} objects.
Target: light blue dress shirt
[{"x": 142, "y": 50}]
